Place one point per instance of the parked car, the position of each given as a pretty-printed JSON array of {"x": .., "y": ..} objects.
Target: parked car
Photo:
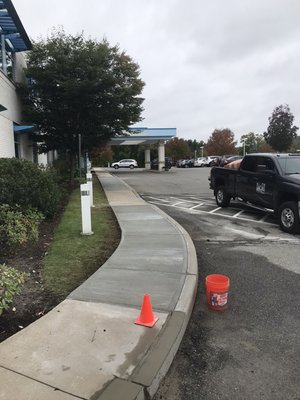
[
  {"x": 209, "y": 160},
  {"x": 265, "y": 180},
  {"x": 199, "y": 162},
  {"x": 183, "y": 163},
  {"x": 126, "y": 163},
  {"x": 228, "y": 160},
  {"x": 168, "y": 163},
  {"x": 191, "y": 163}
]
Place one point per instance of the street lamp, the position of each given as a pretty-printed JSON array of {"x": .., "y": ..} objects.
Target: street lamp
[
  {"x": 79, "y": 154},
  {"x": 243, "y": 141},
  {"x": 202, "y": 147}
]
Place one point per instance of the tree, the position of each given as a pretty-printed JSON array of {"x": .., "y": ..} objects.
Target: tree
[
  {"x": 253, "y": 142},
  {"x": 80, "y": 87},
  {"x": 221, "y": 142},
  {"x": 178, "y": 149},
  {"x": 195, "y": 146},
  {"x": 295, "y": 148},
  {"x": 281, "y": 131},
  {"x": 100, "y": 157}
]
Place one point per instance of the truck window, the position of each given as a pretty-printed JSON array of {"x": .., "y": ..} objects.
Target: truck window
[
  {"x": 249, "y": 164},
  {"x": 265, "y": 163},
  {"x": 290, "y": 165},
  {"x": 270, "y": 165}
]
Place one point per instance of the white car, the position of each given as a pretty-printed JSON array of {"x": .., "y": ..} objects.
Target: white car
[
  {"x": 126, "y": 163},
  {"x": 208, "y": 162},
  {"x": 199, "y": 162}
]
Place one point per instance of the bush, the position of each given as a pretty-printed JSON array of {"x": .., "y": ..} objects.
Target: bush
[
  {"x": 63, "y": 168},
  {"x": 11, "y": 281},
  {"x": 29, "y": 185},
  {"x": 18, "y": 227}
]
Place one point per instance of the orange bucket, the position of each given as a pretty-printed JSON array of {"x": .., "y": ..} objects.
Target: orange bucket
[{"x": 217, "y": 287}]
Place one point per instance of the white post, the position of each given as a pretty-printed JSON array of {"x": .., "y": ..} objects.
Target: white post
[
  {"x": 161, "y": 155},
  {"x": 89, "y": 178},
  {"x": 147, "y": 157},
  {"x": 86, "y": 209}
]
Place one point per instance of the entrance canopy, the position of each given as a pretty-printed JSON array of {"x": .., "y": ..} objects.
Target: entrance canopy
[
  {"x": 15, "y": 36},
  {"x": 144, "y": 136},
  {"x": 23, "y": 128}
]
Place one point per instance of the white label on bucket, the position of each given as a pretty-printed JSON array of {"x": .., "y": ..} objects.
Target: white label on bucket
[{"x": 218, "y": 299}]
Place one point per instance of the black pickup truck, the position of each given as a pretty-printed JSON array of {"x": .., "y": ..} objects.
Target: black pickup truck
[{"x": 268, "y": 181}]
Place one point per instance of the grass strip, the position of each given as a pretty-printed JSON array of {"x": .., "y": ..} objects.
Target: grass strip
[{"x": 73, "y": 257}]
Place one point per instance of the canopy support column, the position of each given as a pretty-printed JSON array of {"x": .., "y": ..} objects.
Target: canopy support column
[
  {"x": 147, "y": 157},
  {"x": 161, "y": 155},
  {"x": 3, "y": 54}
]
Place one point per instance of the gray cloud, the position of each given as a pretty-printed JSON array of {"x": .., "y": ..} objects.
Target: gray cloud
[{"x": 206, "y": 64}]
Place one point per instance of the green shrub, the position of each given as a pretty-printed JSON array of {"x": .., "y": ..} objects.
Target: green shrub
[
  {"x": 18, "y": 227},
  {"x": 11, "y": 281},
  {"x": 29, "y": 185},
  {"x": 63, "y": 168}
]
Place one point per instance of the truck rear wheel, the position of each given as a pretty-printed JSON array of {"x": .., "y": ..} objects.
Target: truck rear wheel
[
  {"x": 289, "y": 217},
  {"x": 222, "y": 198}
]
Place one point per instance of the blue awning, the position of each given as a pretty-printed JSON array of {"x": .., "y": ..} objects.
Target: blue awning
[
  {"x": 11, "y": 27},
  {"x": 23, "y": 128}
]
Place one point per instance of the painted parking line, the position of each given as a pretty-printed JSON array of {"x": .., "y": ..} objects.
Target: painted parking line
[
  {"x": 238, "y": 214},
  {"x": 155, "y": 198},
  {"x": 215, "y": 210},
  {"x": 201, "y": 206},
  {"x": 177, "y": 204},
  {"x": 197, "y": 205}
]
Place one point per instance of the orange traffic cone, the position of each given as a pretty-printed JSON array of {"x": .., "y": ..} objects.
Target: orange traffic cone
[{"x": 146, "y": 317}]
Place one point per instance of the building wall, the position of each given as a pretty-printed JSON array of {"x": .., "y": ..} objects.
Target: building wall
[
  {"x": 7, "y": 145},
  {"x": 10, "y": 100}
]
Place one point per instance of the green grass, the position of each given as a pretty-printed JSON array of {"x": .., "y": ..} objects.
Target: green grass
[{"x": 73, "y": 257}]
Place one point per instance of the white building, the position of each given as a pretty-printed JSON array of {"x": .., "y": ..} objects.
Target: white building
[{"x": 14, "y": 42}]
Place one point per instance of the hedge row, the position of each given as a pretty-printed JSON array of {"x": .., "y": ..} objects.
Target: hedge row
[{"x": 29, "y": 186}]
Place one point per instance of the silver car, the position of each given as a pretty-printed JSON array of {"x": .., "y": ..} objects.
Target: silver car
[{"x": 126, "y": 163}]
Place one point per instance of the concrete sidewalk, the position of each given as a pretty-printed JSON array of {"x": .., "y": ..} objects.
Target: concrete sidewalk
[{"x": 88, "y": 347}]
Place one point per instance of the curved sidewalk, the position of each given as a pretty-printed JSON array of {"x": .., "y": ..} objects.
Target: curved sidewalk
[{"x": 88, "y": 347}]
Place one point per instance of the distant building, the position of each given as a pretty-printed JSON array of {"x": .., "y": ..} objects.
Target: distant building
[{"x": 14, "y": 42}]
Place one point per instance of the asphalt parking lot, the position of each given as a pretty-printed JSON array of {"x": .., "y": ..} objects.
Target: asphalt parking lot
[{"x": 251, "y": 350}]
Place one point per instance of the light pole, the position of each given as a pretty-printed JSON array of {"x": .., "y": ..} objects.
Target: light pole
[
  {"x": 79, "y": 154},
  {"x": 202, "y": 147},
  {"x": 243, "y": 141}
]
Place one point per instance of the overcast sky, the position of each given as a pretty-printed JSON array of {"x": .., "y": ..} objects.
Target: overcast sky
[{"x": 206, "y": 64}]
